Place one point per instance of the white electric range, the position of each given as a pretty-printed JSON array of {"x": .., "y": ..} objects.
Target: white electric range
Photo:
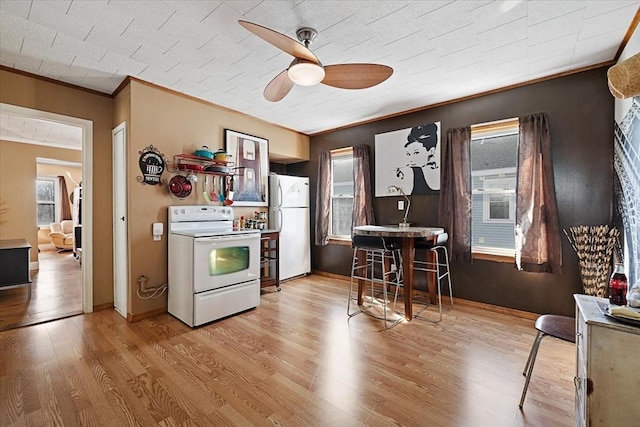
[{"x": 214, "y": 272}]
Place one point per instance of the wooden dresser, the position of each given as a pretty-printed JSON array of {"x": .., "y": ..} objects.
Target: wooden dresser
[{"x": 607, "y": 377}]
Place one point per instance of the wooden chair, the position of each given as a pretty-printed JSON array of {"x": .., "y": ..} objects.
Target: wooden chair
[{"x": 561, "y": 327}]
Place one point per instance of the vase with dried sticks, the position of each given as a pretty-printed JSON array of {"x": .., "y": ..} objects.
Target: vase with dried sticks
[{"x": 594, "y": 246}]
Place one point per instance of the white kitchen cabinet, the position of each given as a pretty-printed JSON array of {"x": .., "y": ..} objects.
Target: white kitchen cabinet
[{"x": 607, "y": 377}]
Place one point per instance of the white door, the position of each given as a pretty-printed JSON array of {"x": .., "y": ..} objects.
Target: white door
[
  {"x": 295, "y": 257},
  {"x": 120, "y": 254},
  {"x": 292, "y": 191}
]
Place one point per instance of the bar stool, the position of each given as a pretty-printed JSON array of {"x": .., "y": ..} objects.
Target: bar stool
[
  {"x": 382, "y": 265},
  {"x": 440, "y": 266},
  {"x": 562, "y": 327}
]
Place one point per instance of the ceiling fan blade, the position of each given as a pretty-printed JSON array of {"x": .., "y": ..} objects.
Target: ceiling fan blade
[
  {"x": 278, "y": 88},
  {"x": 355, "y": 76},
  {"x": 280, "y": 41}
]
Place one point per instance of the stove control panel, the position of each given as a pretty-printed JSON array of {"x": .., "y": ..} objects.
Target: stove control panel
[{"x": 191, "y": 213}]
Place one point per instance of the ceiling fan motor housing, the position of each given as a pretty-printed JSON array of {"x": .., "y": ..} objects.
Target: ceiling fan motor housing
[{"x": 306, "y": 35}]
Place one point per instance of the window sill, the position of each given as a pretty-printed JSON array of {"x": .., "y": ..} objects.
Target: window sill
[
  {"x": 492, "y": 257},
  {"x": 342, "y": 242}
]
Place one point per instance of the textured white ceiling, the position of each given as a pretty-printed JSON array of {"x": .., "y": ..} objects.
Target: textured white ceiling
[
  {"x": 30, "y": 130},
  {"x": 439, "y": 50}
]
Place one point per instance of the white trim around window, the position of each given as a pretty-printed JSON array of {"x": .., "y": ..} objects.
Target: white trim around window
[
  {"x": 340, "y": 155},
  {"x": 55, "y": 202}
]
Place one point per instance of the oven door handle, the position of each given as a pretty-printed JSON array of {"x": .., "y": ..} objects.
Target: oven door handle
[{"x": 234, "y": 237}]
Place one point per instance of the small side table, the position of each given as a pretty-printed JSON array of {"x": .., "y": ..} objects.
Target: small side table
[
  {"x": 14, "y": 257},
  {"x": 269, "y": 254}
]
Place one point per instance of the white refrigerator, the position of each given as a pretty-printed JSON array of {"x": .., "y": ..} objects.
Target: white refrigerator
[{"x": 289, "y": 213}]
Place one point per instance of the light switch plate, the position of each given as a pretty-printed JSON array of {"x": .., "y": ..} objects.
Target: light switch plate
[
  {"x": 157, "y": 230},
  {"x": 400, "y": 205}
]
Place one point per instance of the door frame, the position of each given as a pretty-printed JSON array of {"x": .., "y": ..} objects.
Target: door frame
[{"x": 87, "y": 186}]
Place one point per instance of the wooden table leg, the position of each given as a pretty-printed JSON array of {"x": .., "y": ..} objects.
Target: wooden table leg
[{"x": 407, "y": 273}]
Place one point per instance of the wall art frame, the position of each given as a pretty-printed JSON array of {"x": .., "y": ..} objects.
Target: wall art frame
[
  {"x": 408, "y": 159},
  {"x": 250, "y": 155}
]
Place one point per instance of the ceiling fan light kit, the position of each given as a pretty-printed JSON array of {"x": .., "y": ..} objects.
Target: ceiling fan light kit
[
  {"x": 306, "y": 69},
  {"x": 305, "y": 73}
]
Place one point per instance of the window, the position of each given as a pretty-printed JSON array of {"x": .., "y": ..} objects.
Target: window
[
  {"x": 499, "y": 200},
  {"x": 494, "y": 159},
  {"x": 46, "y": 196},
  {"x": 341, "y": 193}
]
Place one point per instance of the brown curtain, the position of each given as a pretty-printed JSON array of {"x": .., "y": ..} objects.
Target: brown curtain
[
  {"x": 65, "y": 202},
  {"x": 454, "y": 209},
  {"x": 362, "y": 195},
  {"x": 537, "y": 231},
  {"x": 323, "y": 199}
]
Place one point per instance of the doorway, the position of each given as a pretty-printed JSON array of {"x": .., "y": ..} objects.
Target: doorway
[{"x": 84, "y": 129}]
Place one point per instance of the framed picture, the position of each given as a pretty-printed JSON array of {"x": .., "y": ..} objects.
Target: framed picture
[
  {"x": 251, "y": 174},
  {"x": 408, "y": 159}
]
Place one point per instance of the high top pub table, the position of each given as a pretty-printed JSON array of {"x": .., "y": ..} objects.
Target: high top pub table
[{"x": 408, "y": 236}]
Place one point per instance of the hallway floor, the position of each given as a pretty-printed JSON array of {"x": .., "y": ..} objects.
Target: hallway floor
[{"x": 56, "y": 292}]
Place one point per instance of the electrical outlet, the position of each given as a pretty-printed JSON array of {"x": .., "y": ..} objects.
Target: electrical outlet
[{"x": 400, "y": 205}]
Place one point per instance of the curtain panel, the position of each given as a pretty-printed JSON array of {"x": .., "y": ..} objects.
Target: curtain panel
[
  {"x": 65, "y": 202},
  {"x": 454, "y": 209},
  {"x": 362, "y": 194},
  {"x": 538, "y": 245},
  {"x": 323, "y": 199}
]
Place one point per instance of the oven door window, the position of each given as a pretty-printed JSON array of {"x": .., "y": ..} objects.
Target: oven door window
[
  {"x": 228, "y": 260},
  {"x": 225, "y": 261}
]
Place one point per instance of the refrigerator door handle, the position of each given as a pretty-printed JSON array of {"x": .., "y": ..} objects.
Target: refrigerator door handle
[
  {"x": 279, "y": 219},
  {"x": 280, "y": 198}
]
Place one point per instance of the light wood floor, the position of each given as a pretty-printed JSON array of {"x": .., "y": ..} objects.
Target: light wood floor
[
  {"x": 56, "y": 292},
  {"x": 294, "y": 360}
]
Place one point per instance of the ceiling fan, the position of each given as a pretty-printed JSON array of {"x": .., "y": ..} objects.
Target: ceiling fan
[{"x": 306, "y": 69}]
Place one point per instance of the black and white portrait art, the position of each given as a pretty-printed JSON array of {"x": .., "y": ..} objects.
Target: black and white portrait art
[{"x": 408, "y": 159}]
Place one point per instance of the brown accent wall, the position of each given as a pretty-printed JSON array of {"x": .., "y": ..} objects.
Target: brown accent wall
[
  {"x": 580, "y": 110},
  {"x": 25, "y": 91}
]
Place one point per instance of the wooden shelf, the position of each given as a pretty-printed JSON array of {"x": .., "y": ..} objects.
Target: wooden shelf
[
  {"x": 269, "y": 255},
  {"x": 196, "y": 164}
]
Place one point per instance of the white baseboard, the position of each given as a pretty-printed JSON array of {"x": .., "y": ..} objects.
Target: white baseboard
[{"x": 34, "y": 265}]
